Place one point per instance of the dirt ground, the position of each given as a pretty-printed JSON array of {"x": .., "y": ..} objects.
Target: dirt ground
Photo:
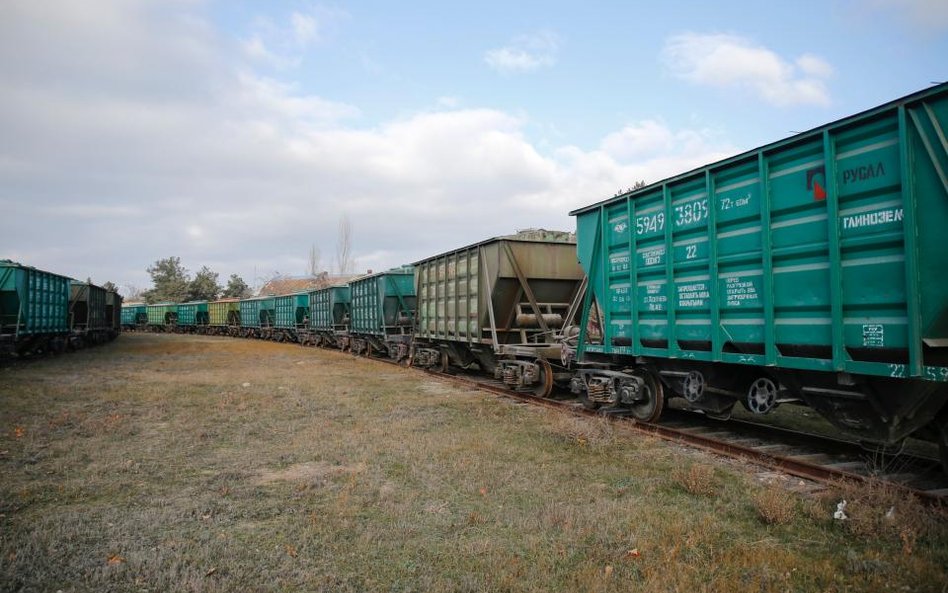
[{"x": 192, "y": 463}]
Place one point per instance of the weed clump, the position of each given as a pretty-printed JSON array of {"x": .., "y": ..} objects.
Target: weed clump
[
  {"x": 775, "y": 505},
  {"x": 697, "y": 479},
  {"x": 585, "y": 432},
  {"x": 879, "y": 511}
]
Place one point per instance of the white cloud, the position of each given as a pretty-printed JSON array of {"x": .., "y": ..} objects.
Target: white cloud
[
  {"x": 143, "y": 149},
  {"x": 524, "y": 53},
  {"x": 281, "y": 101},
  {"x": 730, "y": 61}
]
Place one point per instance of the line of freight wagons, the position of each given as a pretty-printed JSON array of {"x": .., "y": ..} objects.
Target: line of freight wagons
[
  {"x": 45, "y": 312},
  {"x": 811, "y": 270},
  {"x": 499, "y": 304}
]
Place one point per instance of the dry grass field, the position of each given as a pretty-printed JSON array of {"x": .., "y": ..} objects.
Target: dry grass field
[{"x": 189, "y": 463}]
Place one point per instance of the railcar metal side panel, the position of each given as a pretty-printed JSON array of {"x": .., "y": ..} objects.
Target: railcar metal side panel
[
  {"x": 161, "y": 313},
  {"x": 382, "y": 301},
  {"x": 291, "y": 310},
  {"x": 827, "y": 251},
  {"x": 193, "y": 313},
  {"x": 133, "y": 314},
  {"x": 32, "y": 302},
  {"x": 257, "y": 312},
  {"x": 223, "y": 312},
  {"x": 113, "y": 310},
  {"x": 87, "y": 307},
  {"x": 328, "y": 307},
  {"x": 475, "y": 294}
]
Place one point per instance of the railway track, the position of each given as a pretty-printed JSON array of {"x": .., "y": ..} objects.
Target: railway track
[{"x": 819, "y": 459}]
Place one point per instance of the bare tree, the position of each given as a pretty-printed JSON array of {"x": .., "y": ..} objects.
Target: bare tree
[
  {"x": 344, "y": 262},
  {"x": 314, "y": 263},
  {"x": 133, "y": 293}
]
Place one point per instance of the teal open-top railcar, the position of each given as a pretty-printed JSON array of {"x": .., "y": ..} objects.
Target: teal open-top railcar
[{"x": 814, "y": 269}]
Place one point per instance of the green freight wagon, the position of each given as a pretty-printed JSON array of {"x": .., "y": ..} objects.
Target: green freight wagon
[
  {"x": 500, "y": 304},
  {"x": 89, "y": 322},
  {"x": 381, "y": 312},
  {"x": 193, "y": 317},
  {"x": 162, "y": 316},
  {"x": 134, "y": 316},
  {"x": 257, "y": 317},
  {"x": 329, "y": 315},
  {"x": 291, "y": 315},
  {"x": 224, "y": 316},
  {"x": 113, "y": 312},
  {"x": 34, "y": 309},
  {"x": 809, "y": 270}
]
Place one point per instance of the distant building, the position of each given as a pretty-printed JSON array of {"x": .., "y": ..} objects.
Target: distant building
[{"x": 292, "y": 284}]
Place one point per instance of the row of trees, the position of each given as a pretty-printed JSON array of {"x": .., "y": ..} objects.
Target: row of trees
[{"x": 172, "y": 282}]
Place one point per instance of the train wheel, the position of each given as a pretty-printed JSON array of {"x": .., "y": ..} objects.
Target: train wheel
[
  {"x": 445, "y": 363},
  {"x": 761, "y": 396},
  {"x": 545, "y": 385},
  {"x": 649, "y": 409}
]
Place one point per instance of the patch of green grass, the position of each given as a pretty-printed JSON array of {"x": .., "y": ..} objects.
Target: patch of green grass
[{"x": 149, "y": 465}]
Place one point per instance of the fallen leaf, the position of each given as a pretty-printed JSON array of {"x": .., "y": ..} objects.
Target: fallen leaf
[
  {"x": 609, "y": 570},
  {"x": 210, "y": 572},
  {"x": 115, "y": 559},
  {"x": 291, "y": 550},
  {"x": 19, "y": 431},
  {"x": 483, "y": 491}
]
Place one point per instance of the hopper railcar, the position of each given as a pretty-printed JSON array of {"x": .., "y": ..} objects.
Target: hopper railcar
[
  {"x": 134, "y": 316},
  {"x": 192, "y": 317},
  {"x": 257, "y": 315},
  {"x": 91, "y": 321},
  {"x": 223, "y": 317},
  {"x": 162, "y": 317},
  {"x": 329, "y": 316},
  {"x": 381, "y": 314},
  {"x": 34, "y": 309},
  {"x": 500, "y": 305},
  {"x": 291, "y": 316}
]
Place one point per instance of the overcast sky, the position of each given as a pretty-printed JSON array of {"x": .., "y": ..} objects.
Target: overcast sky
[{"x": 236, "y": 134}]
